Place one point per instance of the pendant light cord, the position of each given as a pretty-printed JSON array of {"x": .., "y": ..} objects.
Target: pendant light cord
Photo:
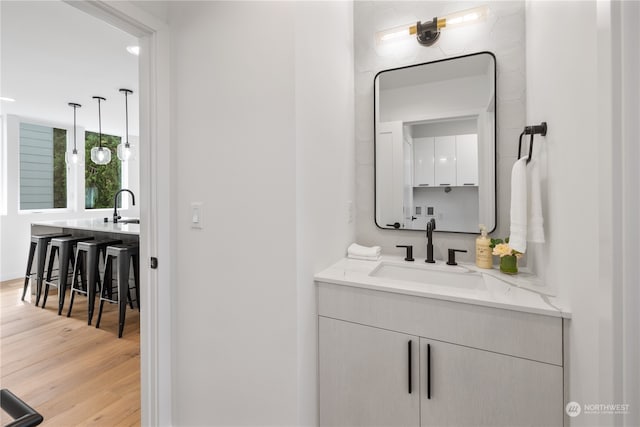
[
  {"x": 75, "y": 107},
  {"x": 126, "y": 92},
  {"x": 126, "y": 118},
  {"x": 99, "y": 125},
  {"x": 74, "y": 128}
]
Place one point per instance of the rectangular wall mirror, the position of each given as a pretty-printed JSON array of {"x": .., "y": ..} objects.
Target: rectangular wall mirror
[{"x": 435, "y": 145}]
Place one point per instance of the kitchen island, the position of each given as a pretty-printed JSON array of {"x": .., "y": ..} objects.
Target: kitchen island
[{"x": 89, "y": 227}]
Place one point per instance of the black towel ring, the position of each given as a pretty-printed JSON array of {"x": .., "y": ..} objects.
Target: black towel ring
[{"x": 531, "y": 130}]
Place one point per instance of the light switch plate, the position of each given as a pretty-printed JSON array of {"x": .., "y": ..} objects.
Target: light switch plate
[{"x": 197, "y": 215}]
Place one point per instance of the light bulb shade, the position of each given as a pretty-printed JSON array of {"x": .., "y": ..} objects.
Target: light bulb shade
[
  {"x": 126, "y": 152},
  {"x": 72, "y": 158},
  {"x": 464, "y": 17},
  {"x": 100, "y": 155},
  {"x": 396, "y": 34}
]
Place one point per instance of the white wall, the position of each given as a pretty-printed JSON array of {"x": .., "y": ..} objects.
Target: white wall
[
  {"x": 15, "y": 226},
  {"x": 325, "y": 167},
  {"x": 455, "y": 98},
  {"x": 573, "y": 83},
  {"x": 503, "y": 34},
  {"x": 457, "y": 209},
  {"x": 275, "y": 200}
]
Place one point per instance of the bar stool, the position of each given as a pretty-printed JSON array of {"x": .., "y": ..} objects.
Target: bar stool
[
  {"x": 90, "y": 251},
  {"x": 39, "y": 244},
  {"x": 63, "y": 246},
  {"x": 124, "y": 255}
]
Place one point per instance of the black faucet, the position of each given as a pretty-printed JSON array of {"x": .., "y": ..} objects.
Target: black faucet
[
  {"x": 116, "y": 217},
  {"x": 431, "y": 225}
]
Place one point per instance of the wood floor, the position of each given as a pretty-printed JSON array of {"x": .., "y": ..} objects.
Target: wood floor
[{"x": 72, "y": 373}]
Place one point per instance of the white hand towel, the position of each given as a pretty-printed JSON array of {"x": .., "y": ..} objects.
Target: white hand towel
[
  {"x": 535, "y": 221},
  {"x": 365, "y": 258},
  {"x": 363, "y": 251},
  {"x": 519, "y": 212}
]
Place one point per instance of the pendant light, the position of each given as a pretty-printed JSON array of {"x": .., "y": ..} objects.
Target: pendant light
[
  {"x": 125, "y": 151},
  {"x": 100, "y": 155},
  {"x": 73, "y": 159}
]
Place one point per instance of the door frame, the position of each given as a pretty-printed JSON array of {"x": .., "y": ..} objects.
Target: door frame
[{"x": 156, "y": 214}]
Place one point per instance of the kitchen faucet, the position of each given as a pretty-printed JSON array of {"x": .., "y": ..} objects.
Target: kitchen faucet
[
  {"x": 116, "y": 217},
  {"x": 431, "y": 225}
]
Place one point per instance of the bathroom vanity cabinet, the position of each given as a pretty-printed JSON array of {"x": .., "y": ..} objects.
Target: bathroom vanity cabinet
[{"x": 387, "y": 358}]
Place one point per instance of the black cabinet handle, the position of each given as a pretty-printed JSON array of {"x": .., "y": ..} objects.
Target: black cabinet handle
[
  {"x": 394, "y": 225},
  {"x": 409, "y": 370},
  {"x": 445, "y": 184},
  {"x": 428, "y": 371}
]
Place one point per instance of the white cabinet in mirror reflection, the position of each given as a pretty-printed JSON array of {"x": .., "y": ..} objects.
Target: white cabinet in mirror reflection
[
  {"x": 445, "y": 161},
  {"x": 467, "y": 159},
  {"x": 423, "y": 162}
]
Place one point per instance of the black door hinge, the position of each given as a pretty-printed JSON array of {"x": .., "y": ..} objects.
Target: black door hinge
[{"x": 153, "y": 262}]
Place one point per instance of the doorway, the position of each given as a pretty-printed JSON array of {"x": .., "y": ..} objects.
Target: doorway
[{"x": 155, "y": 173}]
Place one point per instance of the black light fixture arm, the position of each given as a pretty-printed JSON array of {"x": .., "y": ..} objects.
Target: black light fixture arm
[{"x": 427, "y": 33}]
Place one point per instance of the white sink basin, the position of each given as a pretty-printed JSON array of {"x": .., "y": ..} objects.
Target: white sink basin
[{"x": 430, "y": 276}]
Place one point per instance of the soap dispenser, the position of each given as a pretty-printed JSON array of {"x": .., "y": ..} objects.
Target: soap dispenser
[{"x": 484, "y": 256}]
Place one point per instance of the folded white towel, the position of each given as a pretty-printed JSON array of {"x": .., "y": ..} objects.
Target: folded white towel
[
  {"x": 365, "y": 258},
  {"x": 363, "y": 251},
  {"x": 518, "y": 232},
  {"x": 526, "y": 205},
  {"x": 535, "y": 221}
]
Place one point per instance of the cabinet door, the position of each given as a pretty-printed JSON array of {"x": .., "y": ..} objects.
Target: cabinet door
[
  {"x": 423, "y": 162},
  {"x": 445, "y": 160},
  {"x": 467, "y": 159},
  {"x": 364, "y": 376},
  {"x": 481, "y": 388}
]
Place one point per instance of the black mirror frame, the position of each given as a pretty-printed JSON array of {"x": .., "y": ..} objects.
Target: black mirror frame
[{"x": 495, "y": 141}]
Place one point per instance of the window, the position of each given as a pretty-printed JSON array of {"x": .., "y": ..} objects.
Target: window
[
  {"x": 43, "y": 171},
  {"x": 101, "y": 182}
]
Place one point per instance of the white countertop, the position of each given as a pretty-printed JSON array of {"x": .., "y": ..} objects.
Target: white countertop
[
  {"x": 498, "y": 290},
  {"x": 93, "y": 224}
]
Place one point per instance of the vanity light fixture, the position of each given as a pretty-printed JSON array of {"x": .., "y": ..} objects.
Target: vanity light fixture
[
  {"x": 74, "y": 154},
  {"x": 427, "y": 33},
  {"x": 7, "y": 99},
  {"x": 100, "y": 155},
  {"x": 125, "y": 151}
]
